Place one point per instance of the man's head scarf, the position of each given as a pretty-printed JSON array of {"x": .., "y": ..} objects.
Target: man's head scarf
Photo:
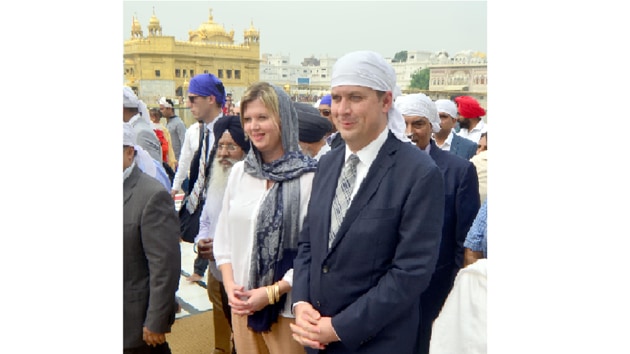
[
  {"x": 141, "y": 157},
  {"x": 468, "y": 107},
  {"x": 165, "y": 103},
  {"x": 129, "y": 135},
  {"x": 130, "y": 100},
  {"x": 419, "y": 105},
  {"x": 207, "y": 85},
  {"x": 233, "y": 125},
  {"x": 370, "y": 69},
  {"x": 446, "y": 106},
  {"x": 326, "y": 100},
  {"x": 313, "y": 126}
]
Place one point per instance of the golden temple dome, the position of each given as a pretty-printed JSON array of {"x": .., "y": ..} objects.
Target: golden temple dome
[
  {"x": 211, "y": 31},
  {"x": 154, "y": 20},
  {"x": 154, "y": 25},
  {"x": 136, "y": 28},
  {"x": 135, "y": 25},
  {"x": 251, "y": 31}
]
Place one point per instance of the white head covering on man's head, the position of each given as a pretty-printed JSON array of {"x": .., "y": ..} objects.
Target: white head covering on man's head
[
  {"x": 142, "y": 158},
  {"x": 419, "y": 105},
  {"x": 130, "y": 100},
  {"x": 370, "y": 69},
  {"x": 164, "y": 102},
  {"x": 446, "y": 106},
  {"x": 129, "y": 135}
]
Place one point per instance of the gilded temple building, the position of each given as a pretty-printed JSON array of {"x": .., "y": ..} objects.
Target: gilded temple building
[{"x": 158, "y": 65}]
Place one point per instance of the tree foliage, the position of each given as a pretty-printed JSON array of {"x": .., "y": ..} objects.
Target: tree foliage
[
  {"x": 400, "y": 57},
  {"x": 420, "y": 79}
]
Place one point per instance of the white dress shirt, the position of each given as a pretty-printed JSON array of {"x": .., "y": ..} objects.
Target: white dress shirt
[
  {"x": 367, "y": 155},
  {"x": 191, "y": 144},
  {"x": 475, "y": 133},
  {"x": 447, "y": 143}
]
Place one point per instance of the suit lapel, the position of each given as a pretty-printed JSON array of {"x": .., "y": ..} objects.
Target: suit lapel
[
  {"x": 455, "y": 145},
  {"x": 383, "y": 162}
]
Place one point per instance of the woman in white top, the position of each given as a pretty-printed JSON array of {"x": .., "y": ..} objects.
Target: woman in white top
[{"x": 263, "y": 208}]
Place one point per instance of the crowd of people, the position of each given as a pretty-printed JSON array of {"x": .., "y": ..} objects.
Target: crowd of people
[{"x": 345, "y": 226}]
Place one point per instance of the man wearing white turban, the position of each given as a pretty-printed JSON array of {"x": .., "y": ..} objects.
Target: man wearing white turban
[
  {"x": 369, "y": 242},
  {"x": 135, "y": 113},
  {"x": 151, "y": 257},
  {"x": 143, "y": 160},
  {"x": 461, "y": 188},
  {"x": 446, "y": 139}
]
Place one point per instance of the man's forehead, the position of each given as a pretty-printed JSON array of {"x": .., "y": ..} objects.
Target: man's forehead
[
  {"x": 410, "y": 118},
  {"x": 348, "y": 89}
]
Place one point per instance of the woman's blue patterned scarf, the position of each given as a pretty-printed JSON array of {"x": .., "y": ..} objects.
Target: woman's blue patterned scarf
[{"x": 277, "y": 224}]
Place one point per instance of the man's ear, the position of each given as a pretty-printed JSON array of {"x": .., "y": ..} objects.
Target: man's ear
[{"x": 388, "y": 101}]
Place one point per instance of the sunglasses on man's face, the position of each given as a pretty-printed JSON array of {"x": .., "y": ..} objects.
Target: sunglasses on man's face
[{"x": 325, "y": 112}]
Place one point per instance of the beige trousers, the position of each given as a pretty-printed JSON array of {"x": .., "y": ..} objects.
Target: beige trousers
[
  {"x": 276, "y": 341},
  {"x": 222, "y": 330}
]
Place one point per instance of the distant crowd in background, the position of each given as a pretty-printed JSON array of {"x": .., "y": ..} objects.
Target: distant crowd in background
[{"x": 354, "y": 224}]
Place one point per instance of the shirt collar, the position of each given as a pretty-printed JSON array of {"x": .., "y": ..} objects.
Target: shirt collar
[{"x": 367, "y": 155}]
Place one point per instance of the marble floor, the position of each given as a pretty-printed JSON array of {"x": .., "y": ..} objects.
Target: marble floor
[{"x": 193, "y": 297}]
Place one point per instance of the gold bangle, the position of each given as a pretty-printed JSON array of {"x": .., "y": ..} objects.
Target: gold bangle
[
  {"x": 270, "y": 295},
  {"x": 277, "y": 291}
]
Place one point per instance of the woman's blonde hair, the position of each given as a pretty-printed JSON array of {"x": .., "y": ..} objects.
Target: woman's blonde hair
[{"x": 266, "y": 93}]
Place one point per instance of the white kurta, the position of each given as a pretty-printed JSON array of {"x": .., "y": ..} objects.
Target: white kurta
[
  {"x": 234, "y": 236},
  {"x": 461, "y": 326}
]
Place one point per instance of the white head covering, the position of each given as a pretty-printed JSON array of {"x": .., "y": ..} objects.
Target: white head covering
[
  {"x": 145, "y": 161},
  {"x": 142, "y": 158},
  {"x": 130, "y": 100},
  {"x": 164, "y": 102},
  {"x": 446, "y": 106},
  {"x": 370, "y": 69},
  {"x": 419, "y": 105},
  {"x": 129, "y": 135}
]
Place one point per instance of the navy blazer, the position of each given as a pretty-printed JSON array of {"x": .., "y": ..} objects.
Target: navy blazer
[
  {"x": 384, "y": 253},
  {"x": 462, "y": 203},
  {"x": 337, "y": 141},
  {"x": 463, "y": 147}
]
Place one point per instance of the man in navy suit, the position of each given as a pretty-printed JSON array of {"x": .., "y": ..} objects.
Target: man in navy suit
[
  {"x": 445, "y": 138},
  {"x": 461, "y": 206},
  {"x": 356, "y": 288}
]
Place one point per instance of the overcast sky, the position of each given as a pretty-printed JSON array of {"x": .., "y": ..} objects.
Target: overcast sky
[{"x": 327, "y": 28}]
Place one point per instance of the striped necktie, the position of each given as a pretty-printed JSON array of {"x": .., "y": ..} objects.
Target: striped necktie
[{"x": 343, "y": 195}]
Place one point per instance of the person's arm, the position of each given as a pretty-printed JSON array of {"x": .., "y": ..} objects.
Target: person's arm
[
  {"x": 203, "y": 240},
  {"x": 474, "y": 245},
  {"x": 185, "y": 158},
  {"x": 471, "y": 256},
  {"x": 170, "y": 159},
  {"x": 467, "y": 205}
]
